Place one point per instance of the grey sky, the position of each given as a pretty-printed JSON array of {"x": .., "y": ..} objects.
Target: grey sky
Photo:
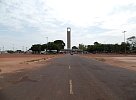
[{"x": 26, "y": 22}]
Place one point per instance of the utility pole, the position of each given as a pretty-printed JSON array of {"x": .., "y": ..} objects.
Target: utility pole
[
  {"x": 0, "y": 50},
  {"x": 3, "y": 48},
  {"x": 13, "y": 47},
  {"x": 26, "y": 48},
  {"x": 23, "y": 48},
  {"x": 47, "y": 44},
  {"x": 124, "y": 40}
]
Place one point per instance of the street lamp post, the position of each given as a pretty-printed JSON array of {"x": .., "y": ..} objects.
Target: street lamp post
[
  {"x": 23, "y": 48},
  {"x": 3, "y": 47},
  {"x": 26, "y": 49},
  {"x": 124, "y": 40},
  {"x": 13, "y": 47},
  {"x": 47, "y": 44}
]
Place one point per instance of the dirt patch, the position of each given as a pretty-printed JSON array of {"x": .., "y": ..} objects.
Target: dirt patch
[
  {"x": 100, "y": 59},
  {"x": 133, "y": 66},
  {"x": 14, "y": 62},
  {"x": 124, "y": 61}
]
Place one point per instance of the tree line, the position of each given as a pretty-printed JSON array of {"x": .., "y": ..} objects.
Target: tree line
[
  {"x": 128, "y": 47},
  {"x": 49, "y": 47},
  {"x": 124, "y": 47}
]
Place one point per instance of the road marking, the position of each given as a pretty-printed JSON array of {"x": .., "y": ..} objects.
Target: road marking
[
  {"x": 69, "y": 67},
  {"x": 70, "y": 85}
]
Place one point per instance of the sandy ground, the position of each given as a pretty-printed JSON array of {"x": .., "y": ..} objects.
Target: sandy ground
[
  {"x": 124, "y": 61},
  {"x": 16, "y": 62}
]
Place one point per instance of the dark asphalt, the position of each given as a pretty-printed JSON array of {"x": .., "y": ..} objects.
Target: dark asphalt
[{"x": 70, "y": 77}]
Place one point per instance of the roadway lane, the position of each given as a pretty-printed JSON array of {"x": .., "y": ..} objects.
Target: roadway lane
[{"x": 70, "y": 78}]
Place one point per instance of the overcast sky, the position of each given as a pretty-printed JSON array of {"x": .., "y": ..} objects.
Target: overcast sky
[{"x": 27, "y": 22}]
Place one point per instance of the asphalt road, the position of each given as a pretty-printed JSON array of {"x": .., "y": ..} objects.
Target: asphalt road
[{"x": 70, "y": 77}]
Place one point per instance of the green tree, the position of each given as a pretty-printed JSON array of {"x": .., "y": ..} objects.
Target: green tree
[
  {"x": 52, "y": 46},
  {"x": 123, "y": 46},
  {"x": 96, "y": 43},
  {"x": 82, "y": 47},
  {"x": 117, "y": 48},
  {"x": 43, "y": 47},
  {"x": 60, "y": 45},
  {"x": 36, "y": 48},
  {"x": 74, "y": 47},
  {"x": 90, "y": 48},
  {"x": 132, "y": 41}
]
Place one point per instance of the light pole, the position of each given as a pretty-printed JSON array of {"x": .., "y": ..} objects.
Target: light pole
[
  {"x": 13, "y": 47},
  {"x": 0, "y": 50},
  {"x": 124, "y": 40},
  {"x": 47, "y": 44},
  {"x": 26, "y": 49},
  {"x": 3, "y": 48},
  {"x": 23, "y": 48}
]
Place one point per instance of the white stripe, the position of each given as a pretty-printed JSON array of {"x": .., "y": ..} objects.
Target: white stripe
[
  {"x": 69, "y": 67},
  {"x": 70, "y": 84}
]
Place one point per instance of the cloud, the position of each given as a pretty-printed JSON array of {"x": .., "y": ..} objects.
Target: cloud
[
  {"x": 129, "y": 8},
  {"x": 97, "y": 30},
  {"x": 17, "y": 14},
  {"x": 90, "y": 20}
]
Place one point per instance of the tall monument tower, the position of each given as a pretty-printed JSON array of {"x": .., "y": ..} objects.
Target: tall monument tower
[{"x": 68, "y": 38}]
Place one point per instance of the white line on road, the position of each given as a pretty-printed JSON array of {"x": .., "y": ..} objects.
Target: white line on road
[
  {"x": 71, "y": 90},
  {"x": 69, "y": 67}
]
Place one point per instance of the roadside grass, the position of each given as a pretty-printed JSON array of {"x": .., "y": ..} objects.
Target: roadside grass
[{"x": 34, "y": 60}]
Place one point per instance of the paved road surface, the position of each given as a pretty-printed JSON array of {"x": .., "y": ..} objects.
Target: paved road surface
[{"x": 70, "y": 78}]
